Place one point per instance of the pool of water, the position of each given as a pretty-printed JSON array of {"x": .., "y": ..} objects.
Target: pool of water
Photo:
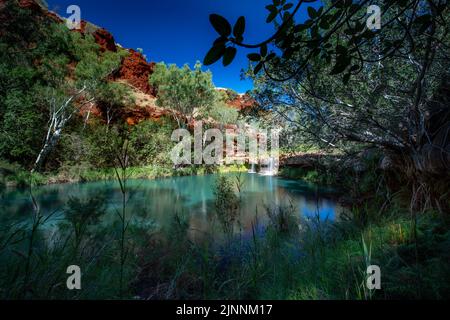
[{"x": 156, "y": 202}]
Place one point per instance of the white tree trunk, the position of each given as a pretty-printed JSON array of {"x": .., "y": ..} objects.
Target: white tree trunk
[{"x": 60, "y": 114}]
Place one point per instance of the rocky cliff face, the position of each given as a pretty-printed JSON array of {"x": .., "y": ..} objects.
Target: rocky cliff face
[
  {"x": 102, "y": 37},
  {"x": 136, "y": 70},
  {"x": 241, "y": 102}
]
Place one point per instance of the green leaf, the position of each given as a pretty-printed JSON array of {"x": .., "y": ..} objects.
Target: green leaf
[
  {"x": 214, "y": 54},
  {"x": 354, "y": 8},
  {"x": 263, "y": 50},
  {"x": 239, "y": 27},
  {"x": 258, "y": 68},
  {"x": 320, "y": 11},
  {"x": 229, "y": 55},
  {"x": 220, "y": 24},
  {"x": 300, "y": 27},
  {"x": 312, "y": 12},
  {"x": 271, "y": 8},
  {"x": 288, "y": 6},
  {"x": 339, "y": 3},
  {"x": 220, "y": 41},
  {"x": 272, "y": 16},
  {"x": 309, "y": 23},
  {"x": 369, "y": 34},
  {"x": 255, "y": 57},
  {"x": 270, "y": 56},
  {"x": 315, "y": 32},
  {"x": 338, "y": 68}
]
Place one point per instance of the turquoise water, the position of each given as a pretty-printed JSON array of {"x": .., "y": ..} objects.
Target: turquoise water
[{"x": 155, "y": 202}]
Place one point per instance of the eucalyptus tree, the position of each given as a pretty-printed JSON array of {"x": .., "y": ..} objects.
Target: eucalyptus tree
[
  {"x": 184, "y": 91},
  {"x": 68, "y": 96}
]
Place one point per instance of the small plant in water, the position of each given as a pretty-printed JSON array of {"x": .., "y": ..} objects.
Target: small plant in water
[
  {"x": 283, "y": 218},
  {"x": 226, "y": 203},
  {"x": 82, "y": 213}
]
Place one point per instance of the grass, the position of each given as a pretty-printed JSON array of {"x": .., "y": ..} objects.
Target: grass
[
  {"x": 318, "y": 260},
  {"x": 321, "y": 262},
  {"x": 13, "y": 175},
  {"x": 33, "y": 264},
  {"x": 309, "y": 175}
]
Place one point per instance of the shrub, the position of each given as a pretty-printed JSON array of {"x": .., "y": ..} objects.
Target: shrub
[
  {"x": 226, "y": 203},
  {"x": 150, "y": 143}
]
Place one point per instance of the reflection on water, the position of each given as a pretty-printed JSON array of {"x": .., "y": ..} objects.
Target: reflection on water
[{"x": 191, "y": 197}]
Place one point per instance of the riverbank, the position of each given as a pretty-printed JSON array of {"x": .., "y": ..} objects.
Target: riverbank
[{"x": 13, "y": 176}]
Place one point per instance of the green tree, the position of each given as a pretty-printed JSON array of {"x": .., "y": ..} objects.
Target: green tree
[
  {"x": 150, "y": 142},
  {"x": 29, "y": 50},
  {"x": 341, "y": 82},
  {"x": 66, "y": 98},
  {"x": 186, "y": 92},
  {"x": 112, "y": 97},
  {"x": 39, "y": 91}
]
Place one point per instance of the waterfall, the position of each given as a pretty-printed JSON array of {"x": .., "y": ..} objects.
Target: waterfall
[
  {"x": 253, "y": 168},
  {"x": 271, "y": 165},
  {"x": 271, "y": 168}
]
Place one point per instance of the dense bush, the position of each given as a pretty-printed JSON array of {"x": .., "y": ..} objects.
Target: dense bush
[{"x": 150, "y": 142}]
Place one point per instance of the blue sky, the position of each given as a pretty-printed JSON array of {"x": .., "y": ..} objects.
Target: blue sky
[{"x": 176, "y": 31}]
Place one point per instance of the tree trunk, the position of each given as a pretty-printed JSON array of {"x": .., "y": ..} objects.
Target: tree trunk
[{"x": 49, "y": 144}]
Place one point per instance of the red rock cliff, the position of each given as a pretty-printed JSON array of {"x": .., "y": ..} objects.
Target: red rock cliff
[
  {"x": 136, "y": 71},
  {"x": 102, "y": 37}
]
